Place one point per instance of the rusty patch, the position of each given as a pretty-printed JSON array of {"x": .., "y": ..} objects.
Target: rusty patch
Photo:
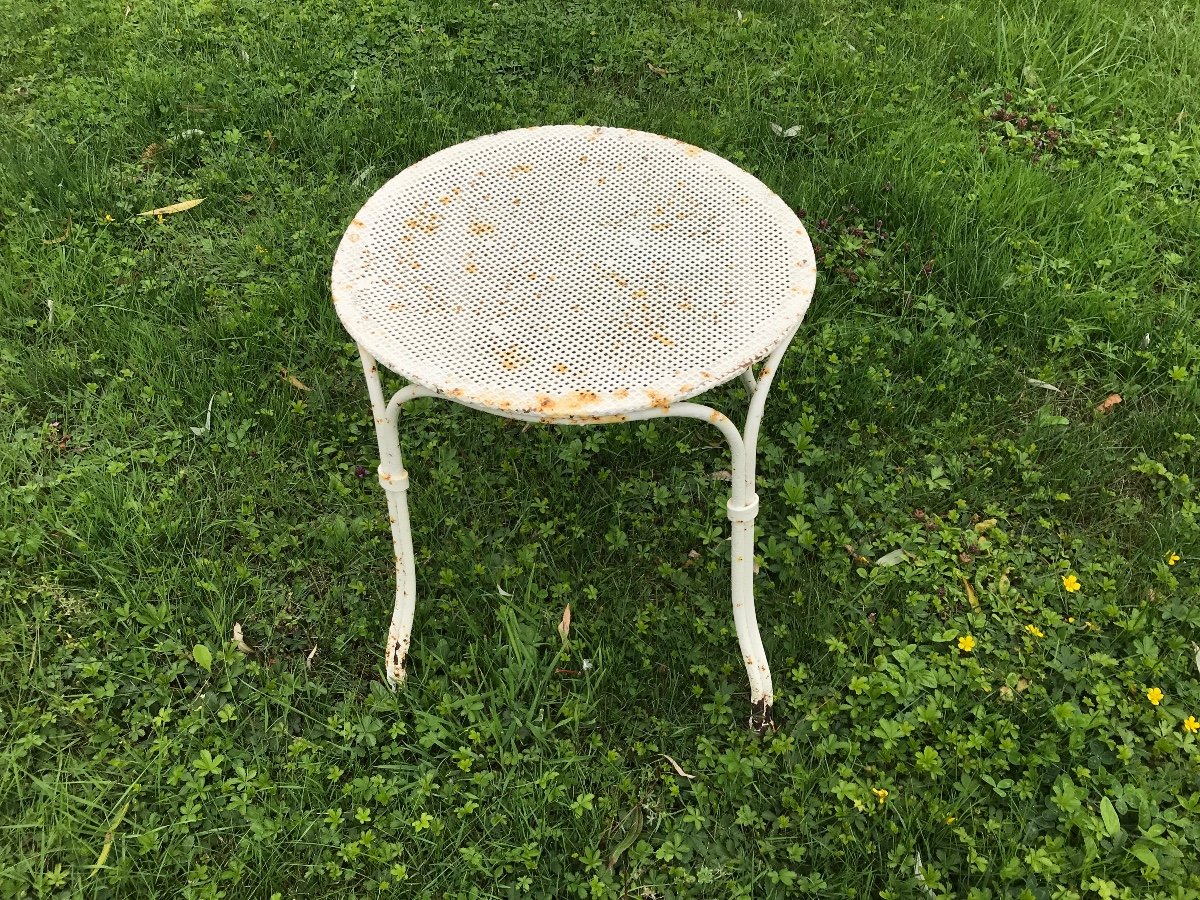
[
  {"x": 472, "y": 268},
  {"x": 354, "y": 237},
  {"x": 358, "y": 223},
  {"x": 583, "y": 159},
  {"x": 621, "y": 393},
  {"x": 639, "y": 293},
  {"x": 602, "y": 180},
  {"x": 512, "y": 358},
  {"x": 663, "y": 339},
  {"x": 482, "y": 228},
  {"x": 522, "y": 168},
  {"x": 658, "y": 401},
  {"x": 561, "y": 369}
]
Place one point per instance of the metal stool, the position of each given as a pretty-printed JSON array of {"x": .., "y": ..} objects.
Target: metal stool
[{"x": 575, "y": 275}]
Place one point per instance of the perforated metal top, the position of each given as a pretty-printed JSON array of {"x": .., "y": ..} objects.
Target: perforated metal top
[{"x": 567, "y": 272}]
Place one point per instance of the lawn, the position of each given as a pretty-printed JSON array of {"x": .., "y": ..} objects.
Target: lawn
[{"x": 1004, "y": 199}]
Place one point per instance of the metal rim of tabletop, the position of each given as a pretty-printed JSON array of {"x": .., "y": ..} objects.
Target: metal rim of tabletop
[{"x": 422, "y": 284}]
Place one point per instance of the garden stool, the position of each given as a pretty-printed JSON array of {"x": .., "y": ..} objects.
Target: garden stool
[{"x": 575, "y": 275}]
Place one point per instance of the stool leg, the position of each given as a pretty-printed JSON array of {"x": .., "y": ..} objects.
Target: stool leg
[
  {"x": 394, "y": 481},
  {"x": 754, "y": 655}
]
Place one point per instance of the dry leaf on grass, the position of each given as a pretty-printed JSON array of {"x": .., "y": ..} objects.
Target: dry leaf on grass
[
  {"x": 293, "y": 380},
  {"x": 308, "y": 660},
  {"x": 656, "y": 70},
  {"x": 676, "y": 766},
  {"x": 239, "y": 641},
  {"x": 62, "y": 237},
  {"x": 1107, "y": 404},
  {"x": 1044, "y": 384},
  {"x": 182, "y": 206},
  {"x": 564, "y": 627},
  {"x": 971, "y": 598}
]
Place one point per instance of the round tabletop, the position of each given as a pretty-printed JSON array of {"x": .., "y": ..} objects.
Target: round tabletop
[{"x": 570, "y": 273}]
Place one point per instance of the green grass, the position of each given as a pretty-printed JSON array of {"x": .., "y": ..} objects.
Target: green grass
[{"x": 958, "y": 260}]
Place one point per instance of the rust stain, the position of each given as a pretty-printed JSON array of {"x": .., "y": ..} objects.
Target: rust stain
[
  {"x": 659, "y": 210},
  {"x": 358, "y": 223},
  {"x": 512, "y": 358},
  {"x": 658, "y": 401},
  {"x": 516, "y": 201},
  {"x": 601, "y": 180},
  {"x": 522, "y": 168},
  {"x": 444, "y": 199},
  {"x": 660, "y": 226},
  {"x": 640, "y": 293},
  {"x": 472, "y": 268},
  {"x": 583, "y": 159},
  {"x": 457, "y": 392},
  {"x": 561, "y": 369},
  {"x": 482, "y": 228},
  {"x": 354, "y": 237},
  {"x": 415, "y": 264},
  {"x": 715, "y": 416},
  {"x": 686, "y": 306},
  {"x": 706, "y": 375},
  {"x": 533, "y": 276},
  {"x": 429, "y": 222},
  {"x": 621, "y": 393},
  {"x": 663, "y": 339}
]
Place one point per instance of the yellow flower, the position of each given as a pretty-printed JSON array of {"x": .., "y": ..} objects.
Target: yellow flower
[
  {"x": 1035, "y": 631},
  {"x": 950, "y": 820},
  {"x": 1191, "y": 725},
  {"x": 1070, "y": 583},
  {"x": 108, "y": 218},
  {"x": 881, "y": 793},
  {"x": 1173, "y": 558},
  {"x": 1070, "y": 620},
  {"x": 1155, "y": 696},
  {"x": 966, "y": 643}
]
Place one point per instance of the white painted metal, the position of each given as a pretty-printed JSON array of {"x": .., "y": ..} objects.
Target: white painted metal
[{"x": 576, "y": 275}]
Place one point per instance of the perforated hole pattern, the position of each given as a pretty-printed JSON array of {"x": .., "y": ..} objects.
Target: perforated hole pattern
[{"x": 569, "y": 271}]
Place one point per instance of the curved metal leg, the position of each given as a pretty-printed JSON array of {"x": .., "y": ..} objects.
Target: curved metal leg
[
  {"x": 394, "y": 481},
  {"x": 742, "y": 508}
]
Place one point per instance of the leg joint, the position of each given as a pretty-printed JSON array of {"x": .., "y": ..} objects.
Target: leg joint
[
  {"x": 393, "y": 481},
  {"x": 742, "y": 513}
]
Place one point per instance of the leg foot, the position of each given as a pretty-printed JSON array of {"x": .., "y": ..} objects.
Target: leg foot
[
  {"x": 761, "y": 718},
  {"x": 397, "y": 650}
]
